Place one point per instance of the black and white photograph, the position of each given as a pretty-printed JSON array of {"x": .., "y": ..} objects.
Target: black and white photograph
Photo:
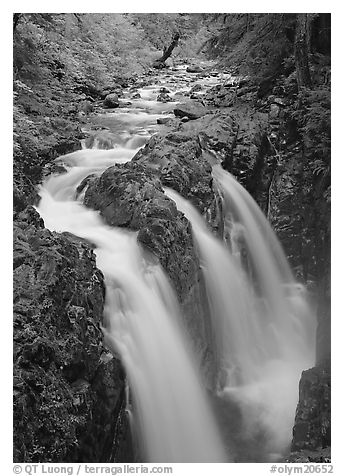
[{"x": 171, "y": 241}]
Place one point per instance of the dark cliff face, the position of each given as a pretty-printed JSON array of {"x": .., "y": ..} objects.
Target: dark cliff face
[
  {"x": 68, "y": 390},
  {"x": 312, "y": 429}
]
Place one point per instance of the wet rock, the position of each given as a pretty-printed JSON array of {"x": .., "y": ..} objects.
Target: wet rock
[
  {"x": 164, "y": 90},
  {"x": 194, "y": 69},
  {"x": 238, "y": 139},
  {"x": 101, "y": 140},
  {"x": 217, "y": 131},
  {"x": 60, "y": 407},
  {"x": 322, "y": 455},
  {"x": 163, "y": 97},
  {"x": 131, "y": 196},
  {"x": 125, "y": 103},
  {"x": 176, "y": 159},
  {"x": 163, "y": 120},
  {"x": 58, "y": 136},
  {"x": 53, "y": 168},
  {"x": 136, "y": 96},
  {"x": 196, "y": 88},
  {"x": 312, "y": 428},
  {"x": 83, "y": 184},
  {"x": 229, "y": 83},
  {"x": 192, "y": 110},
  {"x": 111, "y": 101}
]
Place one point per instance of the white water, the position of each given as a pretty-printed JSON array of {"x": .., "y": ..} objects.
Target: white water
[
  {"x": 260, "y": 317},
  {"x": 141, "y": 323},
  {"x": 264, "y": 329}
]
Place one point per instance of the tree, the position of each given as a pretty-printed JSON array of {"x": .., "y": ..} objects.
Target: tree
[
  {"x": 16, "y": 17},
  {"x": 302, "y": 34},
  {"x": 160, "y": 63}
]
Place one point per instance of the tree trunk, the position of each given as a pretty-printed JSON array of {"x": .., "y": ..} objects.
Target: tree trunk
[
  {"x": 303, "y": 74},
  {"x": 16, "y": 17},
  {"x": 160, "y": 63}
]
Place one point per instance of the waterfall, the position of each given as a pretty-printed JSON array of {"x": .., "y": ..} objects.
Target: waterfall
[
  {"x": 142, "y": 323},
  {"x": 264, "y": 328}
]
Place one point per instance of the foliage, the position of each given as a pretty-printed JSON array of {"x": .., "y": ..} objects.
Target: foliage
[
  {"x": 313, "y": 117},
  {"x": 91, "y": 46},
  {"x": 159, "y": 28},
  {"x": 59, "y": 59},
  {"x": 262, "y": 40}
]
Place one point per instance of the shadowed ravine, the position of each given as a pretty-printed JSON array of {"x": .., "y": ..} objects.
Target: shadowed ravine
[{"x": 263, "y": 328}]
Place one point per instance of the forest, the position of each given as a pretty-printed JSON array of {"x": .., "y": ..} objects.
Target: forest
[{"x": 172, "y": 198}]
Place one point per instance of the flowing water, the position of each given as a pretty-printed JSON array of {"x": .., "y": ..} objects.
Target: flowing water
[
  {"x": 260, "y": 318},
  {"x": 142, "y": 321},
  {"x": 264, "y": 327}
]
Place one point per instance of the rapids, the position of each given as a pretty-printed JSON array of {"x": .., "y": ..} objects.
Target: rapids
[
  {"x": 172, "y": 417},
  {"x": 263, "y": 328}
]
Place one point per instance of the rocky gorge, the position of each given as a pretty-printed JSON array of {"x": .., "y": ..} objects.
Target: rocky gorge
[{"x": 69, "y": 399}]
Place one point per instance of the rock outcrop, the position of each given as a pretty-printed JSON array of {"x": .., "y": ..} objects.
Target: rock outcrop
[
  {"x": 191, "y": 110},
  {"x": 68, "y": 389},
  {"x": 312, "y": 429},
  {"x": 131, "y": 195},
  {"x": 32, "y": 154},
  {"x": 176, "y": 159}
]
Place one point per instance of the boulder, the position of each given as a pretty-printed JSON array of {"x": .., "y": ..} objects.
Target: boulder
[
  {"x": 114, "y": 89},
  {"x": 163, "y": 97},
  {"x": 163, "y": 120},
  {"x": 194, "y": 69},
  {"x": 191, "y": 109},
  {"x": 111, "y": 101},
  {"x": 176, "y": 159},
  {"x": 125, "y": 103},
  {"x": 67, "y": 397},
  {"x": 131, "y": 196}
]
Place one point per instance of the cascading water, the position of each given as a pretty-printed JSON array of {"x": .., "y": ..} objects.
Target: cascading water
[
  {"x": 264, "y": 329},
  {"x": 141, "y": 322}
]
